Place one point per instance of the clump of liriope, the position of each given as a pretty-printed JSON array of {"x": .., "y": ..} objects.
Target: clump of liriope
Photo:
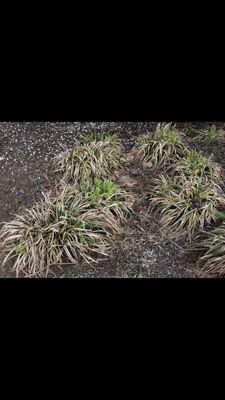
[
  {"x": 54, "y": 230},
  {"x": 99, "y": 136},
  {"x": 188, "y": 206},
  {"x": 213, "y": 260},
  {"x": 162, "y": 147},
  {"x": 163, "y": 186},
  {"x": 102, "y": 194},
  {"x": 210, "y": 135},
  {"x": 195, "y": 164},
  {"x": 85, "y": 161}
]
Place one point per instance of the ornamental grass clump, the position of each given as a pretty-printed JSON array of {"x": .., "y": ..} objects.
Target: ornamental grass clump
[
  {"x": 57, "y": 230},
  {"x": 188, "y": 206},
  {"x": 162, "y": 147},
  {"x": 110, "y": 140},
  {"x": 213, "y": 260},
  {"x": 100, "y": 137},
  {"x": 163, "y": 186},
  {"x": 85, "y": 161},
  {"x": 195, "y": 164},
  {"x": 210, "y": 135},
  {"x": 102, "y": 194}
]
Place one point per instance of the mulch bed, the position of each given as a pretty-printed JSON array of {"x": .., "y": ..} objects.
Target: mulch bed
[{"x": 26, "y": 153}]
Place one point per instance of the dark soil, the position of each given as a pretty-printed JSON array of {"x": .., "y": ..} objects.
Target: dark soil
[{"x": 26, "y": 153}]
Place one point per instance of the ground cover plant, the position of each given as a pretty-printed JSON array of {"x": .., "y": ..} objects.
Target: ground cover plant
[
  {"x": 195, "y": 164},
  {"x": 162, "y": 147},
  {"x": 103, "y": 194},
  {"x": 186, "y": 205},
  {"x": 189, "y": 197},
  {"x": 209, "y": 136},
  {"x": 100, "y": 136},
  {"x": 213, "y": 260},
  {"x": 55, "y": 230},
  {"x": 88, "y": 160},
  {"x": 163, "y": 186}
]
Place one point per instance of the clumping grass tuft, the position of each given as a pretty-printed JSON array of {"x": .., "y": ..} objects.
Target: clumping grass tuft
[
  {"x": 99, "y": 137},
  {"x": 209, "y": 136},
  {"x": 163, "y": 186},
  {"x": 85, "y": 161},
  {"x": 187, "y": 206},
  {"x": 110, "y": 140},
  {"x": 54, "y": 230},
  {"x": 162, "y": 147},
  {"x": 194, "y": 164},
  {"x": 213, "y": 261},
  {"x": 102, "y": 194}
]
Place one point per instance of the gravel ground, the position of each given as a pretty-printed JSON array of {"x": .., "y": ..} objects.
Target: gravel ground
[{"x": 26, "y": 153}]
